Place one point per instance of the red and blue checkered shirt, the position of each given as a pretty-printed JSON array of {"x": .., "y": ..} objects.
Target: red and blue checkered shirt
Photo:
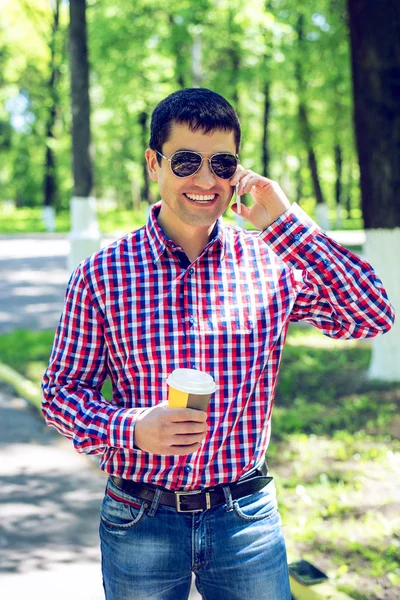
[{"x": 138, "y": 309}]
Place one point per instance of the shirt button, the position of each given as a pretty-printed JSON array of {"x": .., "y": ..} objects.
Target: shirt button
[
  {"x": 194, "y": 366},
  {"x": 288, "y": 225},
  {"x": 192, "y": 320},
  {"x": 187, "y": 469},
  {"x": 326, "y": 262},
  {"x": 297, "y": 236},
  {"x": 191, "y": 270}
]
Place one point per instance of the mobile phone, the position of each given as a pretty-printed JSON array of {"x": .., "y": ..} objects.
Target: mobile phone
[
  {"x": 237, "y": 199},
  {"x": 305, "y": 573}
]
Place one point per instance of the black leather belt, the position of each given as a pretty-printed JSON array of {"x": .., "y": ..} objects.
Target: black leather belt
[{"x": 188, "y": 502}]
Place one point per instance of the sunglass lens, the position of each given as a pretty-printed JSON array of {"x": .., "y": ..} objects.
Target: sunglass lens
[
  {"x": 224, "y": 165},
  {"x": 185, "y": 164}
]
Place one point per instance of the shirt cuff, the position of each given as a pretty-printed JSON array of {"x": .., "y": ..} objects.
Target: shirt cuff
[
  {"x": 121, "y": 428},
  {"x": 292, "y": 229}
]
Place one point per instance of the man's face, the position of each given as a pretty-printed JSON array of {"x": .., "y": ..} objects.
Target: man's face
[{"x": 177, "y": 209}]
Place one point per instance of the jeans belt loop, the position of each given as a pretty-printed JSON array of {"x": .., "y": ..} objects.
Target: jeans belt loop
[{"x": 155, "y": 503}]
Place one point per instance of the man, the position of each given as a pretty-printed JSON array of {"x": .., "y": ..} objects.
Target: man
[{"x": 188, "y": 490}]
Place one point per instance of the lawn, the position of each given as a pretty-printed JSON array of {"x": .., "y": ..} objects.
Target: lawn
[
  {"x": 29, "y": 220},
  {"x": 335, "y": 455}
]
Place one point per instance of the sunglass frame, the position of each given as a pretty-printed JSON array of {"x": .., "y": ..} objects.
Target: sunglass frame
[{"x": 201, "y": 163}]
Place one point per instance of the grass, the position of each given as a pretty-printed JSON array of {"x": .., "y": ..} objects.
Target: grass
[
  {"x": 29, "y": 220},
  {"x": 335, "y": 455}
]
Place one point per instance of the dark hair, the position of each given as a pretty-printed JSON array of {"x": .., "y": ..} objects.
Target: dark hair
[{"x": 199, "y": 108}]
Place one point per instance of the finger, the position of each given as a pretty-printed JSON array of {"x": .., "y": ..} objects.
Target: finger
[
  {"x": 247, "y": 183},
  {"x": 238, "y": 175},
  {"x": 245, "y": 211},
  {"x": 188, "y": 427},
  {"x": 187, "y": 440},
  {"x": 177, "y": 415},
  {"x": 183, "y": 450}
]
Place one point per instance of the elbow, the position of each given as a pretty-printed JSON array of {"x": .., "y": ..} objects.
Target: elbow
[{"x": 389, "y": 320}]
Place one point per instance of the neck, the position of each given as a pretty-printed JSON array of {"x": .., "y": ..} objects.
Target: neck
[{"x": 192, "y": 239}]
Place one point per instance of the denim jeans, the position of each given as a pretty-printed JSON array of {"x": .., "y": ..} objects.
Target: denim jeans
[{"x": 149, "y": 551}]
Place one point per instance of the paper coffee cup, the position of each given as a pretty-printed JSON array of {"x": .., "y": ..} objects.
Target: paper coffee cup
[{"x": 190, "y": 388}]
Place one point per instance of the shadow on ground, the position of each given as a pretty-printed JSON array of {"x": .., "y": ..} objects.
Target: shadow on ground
[
  {"x": 49, "y": 497},
  {"x": 32, "y": 292}
]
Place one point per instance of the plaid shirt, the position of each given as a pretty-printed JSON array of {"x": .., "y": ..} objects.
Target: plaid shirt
[{"x": 138, "y": 309}]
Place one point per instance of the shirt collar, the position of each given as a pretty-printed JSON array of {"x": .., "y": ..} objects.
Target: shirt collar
[{"x": 159, "y": 241}]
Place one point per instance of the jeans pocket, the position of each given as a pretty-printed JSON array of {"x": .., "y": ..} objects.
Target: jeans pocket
[
  {"x": 120, "y": 512},
  {"x": 258, "y": 506}
]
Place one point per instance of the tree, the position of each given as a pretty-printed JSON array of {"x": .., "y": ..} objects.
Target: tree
[
  {"x": 306, "y": 129},
  {"x": 84, "y": 236},
  {"x": 50, "y": 179},
  {"x": 375, "y": 49}
]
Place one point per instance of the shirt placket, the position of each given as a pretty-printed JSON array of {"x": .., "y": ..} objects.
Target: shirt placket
[
  {"x": 190, "y": 346},
  {"x": 193, "y": 318}
]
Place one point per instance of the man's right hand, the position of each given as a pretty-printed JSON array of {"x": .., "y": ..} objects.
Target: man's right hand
[{"x": 163, "y": 430}]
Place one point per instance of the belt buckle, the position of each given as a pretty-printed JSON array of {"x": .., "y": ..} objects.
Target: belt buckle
[{"x": 191, "y": 510}]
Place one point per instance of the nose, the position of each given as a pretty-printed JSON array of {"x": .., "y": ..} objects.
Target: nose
[{"x": 204, "y": 177}]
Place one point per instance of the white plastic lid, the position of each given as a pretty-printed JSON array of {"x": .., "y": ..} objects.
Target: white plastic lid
[{"x": 192, "y": 381}]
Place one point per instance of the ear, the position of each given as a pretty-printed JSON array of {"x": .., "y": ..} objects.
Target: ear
[{"x": 152, "y": 164}]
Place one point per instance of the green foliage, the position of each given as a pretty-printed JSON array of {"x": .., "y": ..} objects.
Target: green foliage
[{"x": 142, "y": 51}]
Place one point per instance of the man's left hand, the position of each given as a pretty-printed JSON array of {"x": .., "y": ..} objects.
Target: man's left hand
[{"x": 270, "y": 200}]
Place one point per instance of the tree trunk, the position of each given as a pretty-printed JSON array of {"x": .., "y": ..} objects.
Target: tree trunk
[
  {"x": 143, "y": 120},
  {"x": 349, "y": 190},
  {"x": 306, "y": 130},
  {"x": 265, "y": 145},
  {"x": 233, "y": 51},
  {"x": 338, "y": 168},
  {"x": 375, "y": 49},
  {"x": 84, "y": 235},
  {"x": 50, "y": 182},
  {"x": 79, "y": 65},
  {"x": 266, "y": 92},
  {"x": 338, "y": 183},
  {"x": 299, "y": 182}
]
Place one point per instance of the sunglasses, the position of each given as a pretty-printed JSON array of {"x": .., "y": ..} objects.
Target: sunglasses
[{"x": 185, "y": 163}]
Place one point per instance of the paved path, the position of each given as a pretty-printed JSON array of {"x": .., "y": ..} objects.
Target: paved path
[
  {"x": 33, "y": 276},
  {"x": 49, "y": 504}
]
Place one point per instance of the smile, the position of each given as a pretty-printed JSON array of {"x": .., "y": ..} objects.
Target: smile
[{"x": 206, "y": 199}]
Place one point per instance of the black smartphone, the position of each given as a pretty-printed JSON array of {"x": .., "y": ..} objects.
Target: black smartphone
[{"x": 305, "y": 573}]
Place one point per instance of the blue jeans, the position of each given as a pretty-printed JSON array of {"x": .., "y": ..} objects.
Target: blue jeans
[{"x": 149, "y": 551}]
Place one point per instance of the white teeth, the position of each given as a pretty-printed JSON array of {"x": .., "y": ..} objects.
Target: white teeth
[{"x": 201, "y": 198}]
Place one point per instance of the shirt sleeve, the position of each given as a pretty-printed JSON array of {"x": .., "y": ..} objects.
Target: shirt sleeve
[
  {"x": 72, "y": 383},
  {"x": 338, "y": 292}
]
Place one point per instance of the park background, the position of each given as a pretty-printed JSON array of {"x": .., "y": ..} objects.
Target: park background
[{"x": 317, "y": 90}]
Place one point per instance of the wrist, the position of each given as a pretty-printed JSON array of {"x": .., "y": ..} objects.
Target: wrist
[{"x": 272, "y": 219}]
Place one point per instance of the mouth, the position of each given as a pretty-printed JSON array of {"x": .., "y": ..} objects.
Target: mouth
[{"x": 201, "y": 199}]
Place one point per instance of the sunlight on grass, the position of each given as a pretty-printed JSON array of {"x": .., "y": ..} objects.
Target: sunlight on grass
[{"x": 121, "y": 221}]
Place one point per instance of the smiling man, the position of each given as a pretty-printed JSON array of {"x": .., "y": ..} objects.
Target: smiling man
[{"x": 189, "y": 491}]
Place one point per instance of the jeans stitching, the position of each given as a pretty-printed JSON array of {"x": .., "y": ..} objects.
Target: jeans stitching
[{"x": 239, "y": 513}]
